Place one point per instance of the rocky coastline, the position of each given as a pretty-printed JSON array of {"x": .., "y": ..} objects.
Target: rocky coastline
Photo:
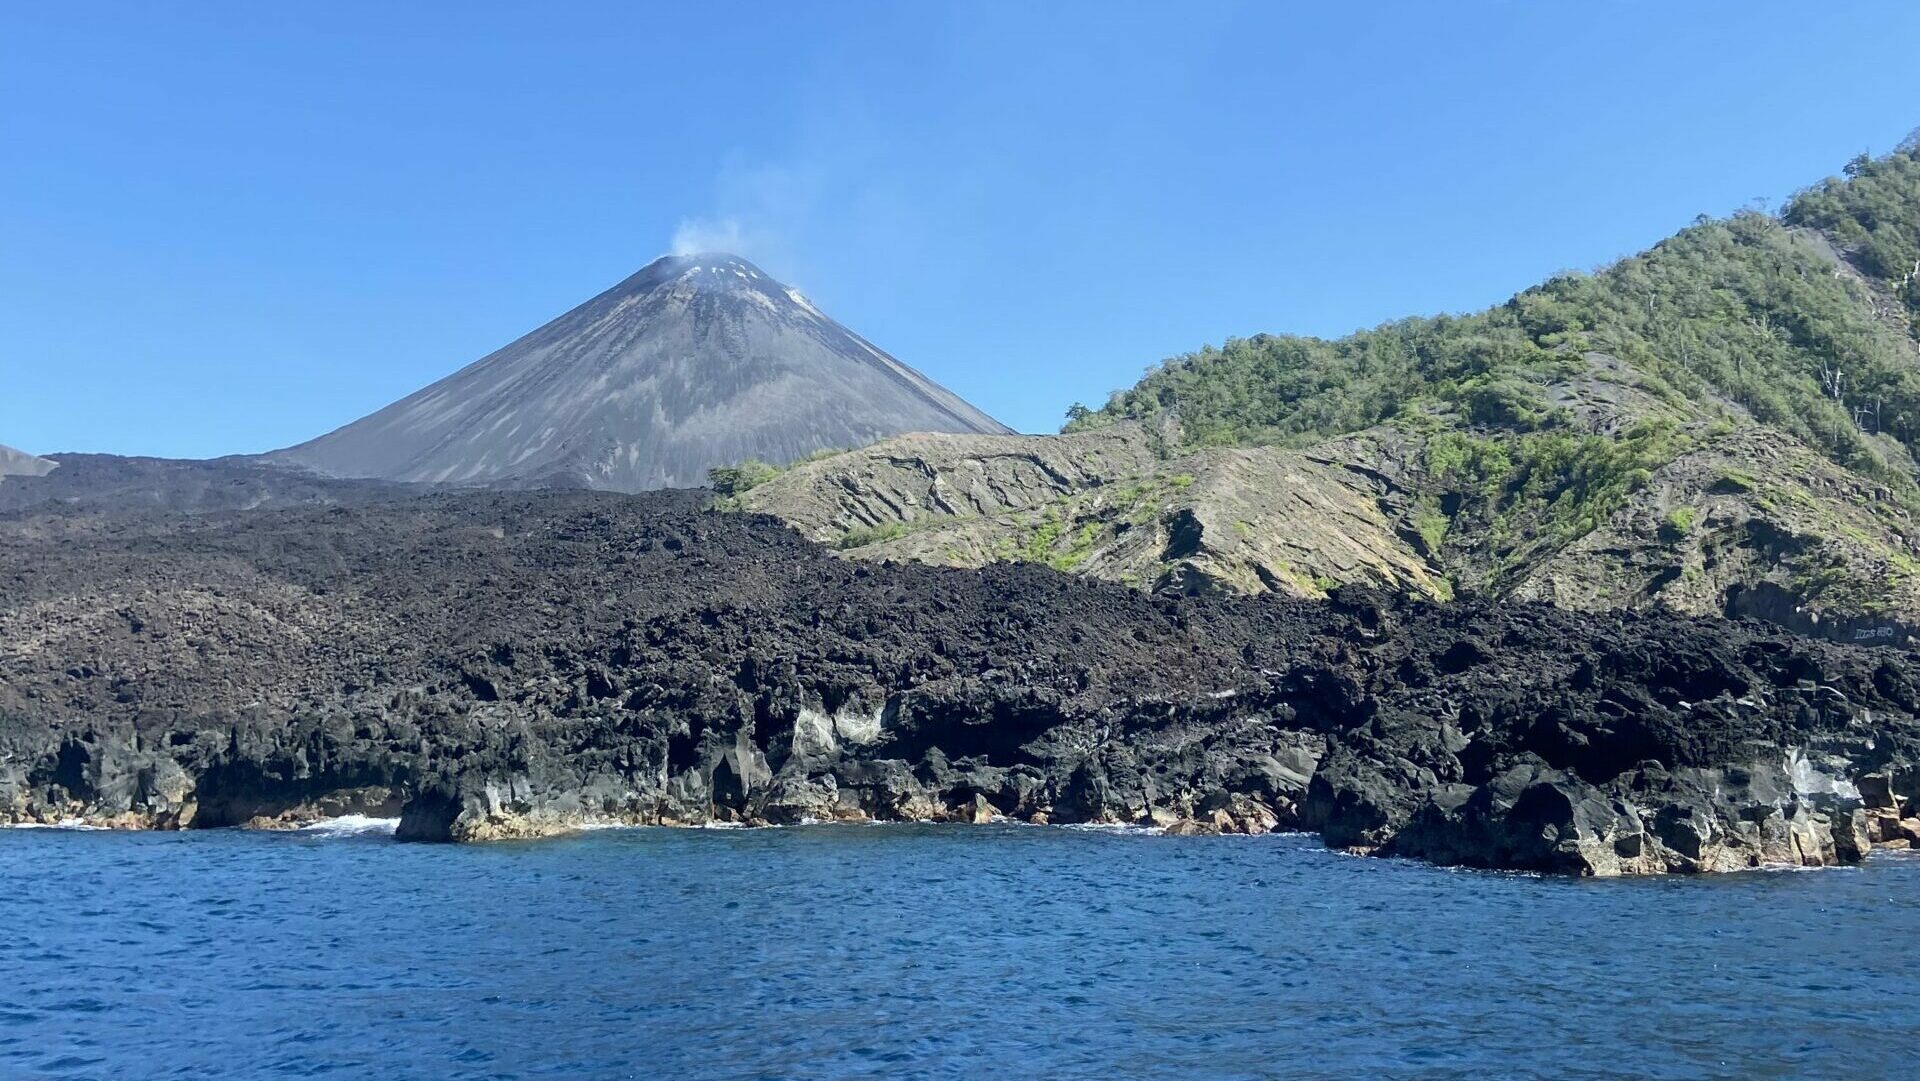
[{"x": 494, "y": 665}]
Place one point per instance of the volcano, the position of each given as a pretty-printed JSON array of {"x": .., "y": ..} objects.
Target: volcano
[
  {"x": 18, "y": 463},
  {"x": 694, "y": 362}
]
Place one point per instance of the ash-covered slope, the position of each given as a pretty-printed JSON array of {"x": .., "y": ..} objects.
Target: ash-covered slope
[
  {"x": 18, "y": 463},
  {"x": 694, "y": 362}
]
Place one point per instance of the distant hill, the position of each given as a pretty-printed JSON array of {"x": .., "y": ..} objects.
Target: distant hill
[
  {"x": 111, "y": 484},
  {"x": 692, "y": 363},
  {"x": 1728, "y": 423}
]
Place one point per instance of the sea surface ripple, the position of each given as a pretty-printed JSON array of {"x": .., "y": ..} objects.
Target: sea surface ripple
[{"x": 925, "y": 952}]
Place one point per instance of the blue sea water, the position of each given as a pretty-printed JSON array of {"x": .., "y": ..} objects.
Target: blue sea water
[{"x": 926, "y": 952}]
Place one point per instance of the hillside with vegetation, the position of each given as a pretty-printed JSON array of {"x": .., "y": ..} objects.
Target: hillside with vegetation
[
  {"x": 1727, "y": 422},
  {"x": 1751, "y": 310}
]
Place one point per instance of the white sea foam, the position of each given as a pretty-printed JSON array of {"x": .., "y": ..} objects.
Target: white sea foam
[
  {"x": 350, "y": 826},
  {"x": 1783, "y": 867},
  {"x": 1120, "y": 828},
  {"x": 603, "y": 826},
  {"x": 63, "y": 824}
]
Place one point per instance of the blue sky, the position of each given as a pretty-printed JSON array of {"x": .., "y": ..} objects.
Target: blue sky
[{"x": 226, "y": 227}]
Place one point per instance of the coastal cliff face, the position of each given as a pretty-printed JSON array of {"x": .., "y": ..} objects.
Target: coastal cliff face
[{"x": 502, "y": 665}]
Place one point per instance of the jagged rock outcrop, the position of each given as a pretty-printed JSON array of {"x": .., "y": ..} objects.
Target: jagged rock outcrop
[
  {"x": 1751, "y": 524},
  {"x": 1650, "y": 820},
  {"x": 695, "y": 362},
  {"x": 931, "y": 479},
  {"x": 1104, "y": 504},
  {"x": 497, "y": 665}
]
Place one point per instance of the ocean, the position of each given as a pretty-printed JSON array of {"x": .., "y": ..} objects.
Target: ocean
[{"x": 909, "y": 951}]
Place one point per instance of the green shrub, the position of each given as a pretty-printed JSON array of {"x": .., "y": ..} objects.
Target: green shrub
[
  {"x": 1678, "y": 524},
  {"x": 1432, "y": 524},
  {"x": 732, "y": 480},
  {"x": 1735, "y": 482},
  {"x": 861, "y": 537},
  {"x": 1078, "y": 551}
]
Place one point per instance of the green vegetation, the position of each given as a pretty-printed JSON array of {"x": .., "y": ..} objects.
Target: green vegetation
[
  {"x": 1308, "y": 583},
  {"x": 820, "y": 455},
  {"x": 860, "y": 537},
  {"x": 1077, "y": 551},
  {"x": 1296, "y": 576},
  {"x": 1678, "y": 524},
  {"x": 1827, "y": 572},
  {"x": 1548, "y": 487},
  {"x": 1432, "y": 524},
  {"x": 1735, "y": 482},
  {"x": 1042, "y": 542},
  {"x": 1469, "y": 464},
  {"x": 1902, "y": 567},
  {"x": 732, "y": 480},
  {"x": 1038, "y": 545},
  {"x": 1873, "y": 216},
  {"x": 863, "y": 536},
  {"x": 1743, "y": 309},
  {"x": 1139, "y": 499}
]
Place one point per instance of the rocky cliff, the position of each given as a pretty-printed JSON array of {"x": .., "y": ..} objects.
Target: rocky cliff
[
  {"x": 1107, "y": 505},
  {"x": 496, "y": 665}
]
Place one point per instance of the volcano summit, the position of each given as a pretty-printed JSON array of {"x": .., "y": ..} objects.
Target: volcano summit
[{"x": 694, "y": 362}]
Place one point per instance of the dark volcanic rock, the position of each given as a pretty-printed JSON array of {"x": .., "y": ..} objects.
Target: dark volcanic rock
[
  {"x": 513, "y": 664},
  {"x": 694, "y": 362}
]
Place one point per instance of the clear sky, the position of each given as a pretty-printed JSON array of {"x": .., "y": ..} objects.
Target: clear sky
[{"x": 226, "y": 227}]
